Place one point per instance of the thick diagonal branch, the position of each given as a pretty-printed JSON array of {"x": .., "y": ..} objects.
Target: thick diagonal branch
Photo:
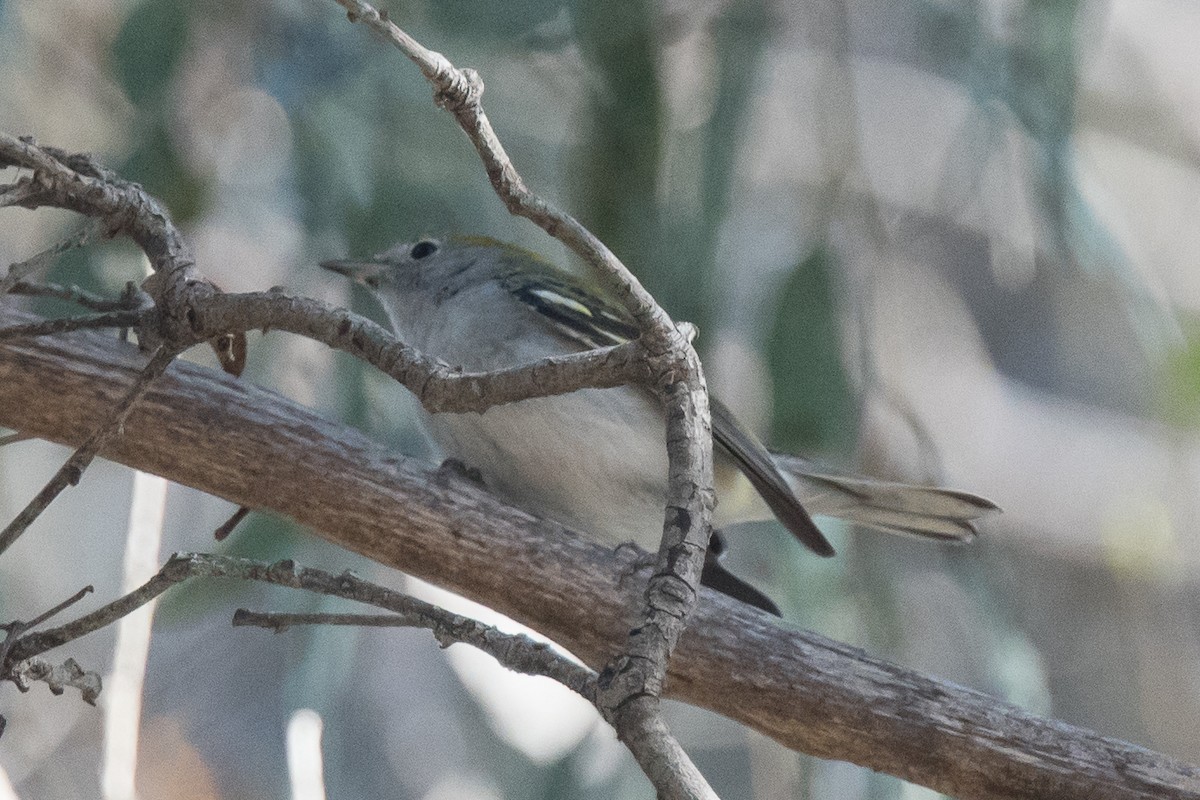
[
  {"x": 203, "y": 429},
  {"x": 109, "y": 426}
]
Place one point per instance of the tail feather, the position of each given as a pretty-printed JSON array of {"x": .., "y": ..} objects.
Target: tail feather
[{"x": 943, "y": 514}]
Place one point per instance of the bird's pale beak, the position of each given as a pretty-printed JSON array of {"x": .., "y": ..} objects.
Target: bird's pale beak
[{"x": 365, "y": 272}]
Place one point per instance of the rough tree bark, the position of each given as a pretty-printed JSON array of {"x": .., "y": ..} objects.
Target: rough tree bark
[{"x": 255, "y": 448}]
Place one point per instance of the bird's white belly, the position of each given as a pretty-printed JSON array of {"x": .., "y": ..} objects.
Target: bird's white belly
[{"x": 600, "y": 468}]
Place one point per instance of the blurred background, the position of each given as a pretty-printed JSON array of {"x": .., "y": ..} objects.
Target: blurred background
[{"x": 935, "y": 240}]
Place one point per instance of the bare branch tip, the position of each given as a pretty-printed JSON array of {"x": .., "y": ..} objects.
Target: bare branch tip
[
  {"x": 227, "y": 527},
  {"x": 245, "y": 618},
  {"x": 58, "y": 609}
]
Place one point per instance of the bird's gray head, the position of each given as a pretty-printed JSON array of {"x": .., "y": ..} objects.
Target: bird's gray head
[
  {"x": 413, "y": 280},
  {"x": 428, "y": 264},
  {"x": 433, "y": 264}
]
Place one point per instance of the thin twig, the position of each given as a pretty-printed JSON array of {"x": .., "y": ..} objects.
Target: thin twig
[
  {"x": 58, "y": 609},
  {"x": 278, "y": 622},
  {"x": 72, "y": 294},
  {"x": 225, "y": 528},
  {"x": 190, "y": 310},
  {"x": 112, "y": 319},
  {"x": 15, "y": 194},
  {"x": 176, "y": 570},
  {"x": 77, "y": 183},
  {"x": 642, "y": 728},
  {"x": 459, "y": 91},
  {"x": 72, "y": 471},
  {"x": 515, "y": 651},
  {"x": 57, "y": 677},
  {"x": 16, "y": 629},
  {"x": 67, "y": 674},
  {"x": 439, "y": 387}
]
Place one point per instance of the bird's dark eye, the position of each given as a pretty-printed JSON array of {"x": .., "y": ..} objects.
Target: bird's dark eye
[{"x": 423, "y": 249}]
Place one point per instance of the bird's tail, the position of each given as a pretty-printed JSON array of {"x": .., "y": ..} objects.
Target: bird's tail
[{"x": 926, "y": 512}]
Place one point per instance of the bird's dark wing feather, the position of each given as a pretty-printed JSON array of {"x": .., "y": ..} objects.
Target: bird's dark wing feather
[
  {"x": 591, "y": 321},
  {"x": 756, "y": 464}
]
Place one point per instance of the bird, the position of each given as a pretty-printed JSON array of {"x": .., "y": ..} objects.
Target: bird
[{"x": 595, "y": 460}]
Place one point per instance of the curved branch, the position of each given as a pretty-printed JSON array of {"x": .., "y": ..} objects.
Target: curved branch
[
  {"x": 76, "y": 183},
  {"x": 255, "y": 448},
  {"x": 438, "y": 386}
]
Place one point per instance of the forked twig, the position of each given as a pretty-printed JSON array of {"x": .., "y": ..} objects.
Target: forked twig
[
  {"x": 634, "y": 680},
  {"x": 515, "y": 651}
]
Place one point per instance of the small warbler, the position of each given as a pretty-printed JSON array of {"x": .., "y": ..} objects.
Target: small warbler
[{"x": 595, "y": 460}]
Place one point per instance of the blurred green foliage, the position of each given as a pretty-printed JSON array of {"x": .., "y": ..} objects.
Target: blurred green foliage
[
  {"x": 496, "y": 22},
  {"x": 158, "y": 165},
  {"x": 146, "y": 57},
  {"x": 814, "y": 406},
  {"x": 621, "y": 155},
  {"x": 1179, "y": 396},
  {"x": 148, "y": 50}
]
